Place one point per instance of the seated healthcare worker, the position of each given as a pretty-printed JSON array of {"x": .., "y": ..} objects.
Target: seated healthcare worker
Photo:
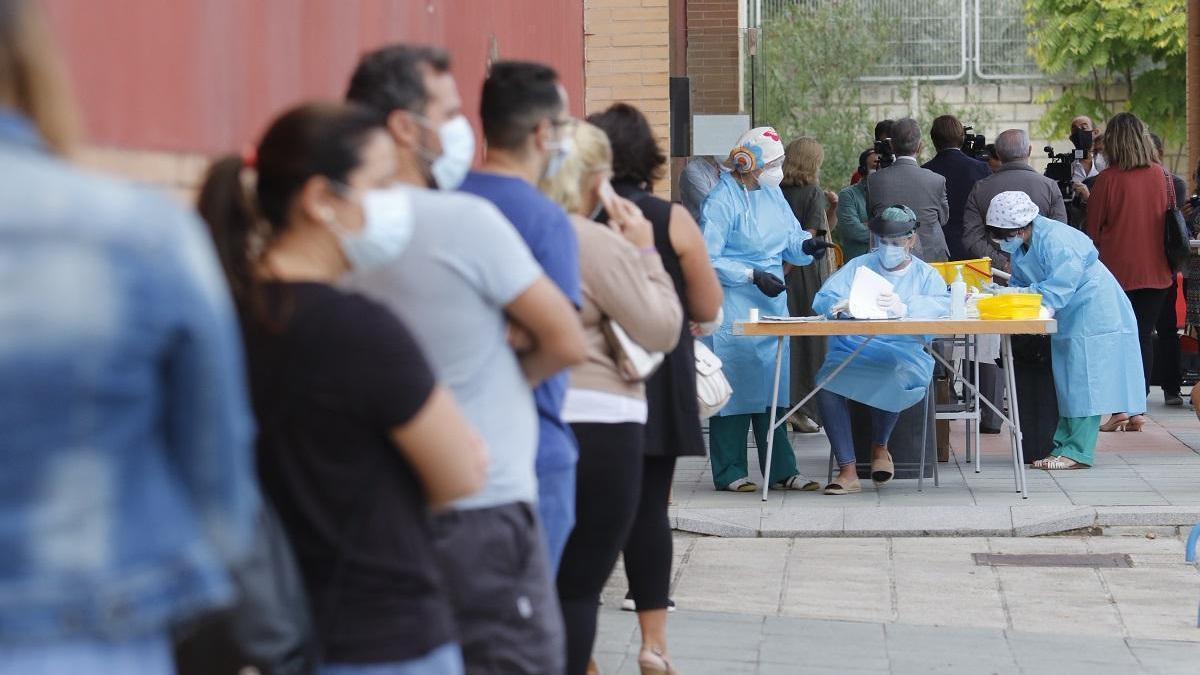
[
  {"x": 1096, "y": 359},
  {"x": 892, "y": 372},
  {"x": 749, "y": 231}
]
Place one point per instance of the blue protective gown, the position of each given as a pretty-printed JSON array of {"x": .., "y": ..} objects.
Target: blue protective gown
[
  {"x": 1097, "y": 360},
  {"x": 893, "y": 371},
  {"x": 748, "y": 230}
]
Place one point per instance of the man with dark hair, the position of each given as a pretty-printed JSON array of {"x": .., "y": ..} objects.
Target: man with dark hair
[
  {"x": 525, "y": 122},
  {"x": 464, "y": 277},
  {"x": 883, "y": 131},
  {"x": 905, "y": 182},
  {"x": 961, "y": 173}
]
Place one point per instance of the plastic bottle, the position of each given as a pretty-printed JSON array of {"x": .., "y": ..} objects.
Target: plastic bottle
[{"x": 958, "y": 295}]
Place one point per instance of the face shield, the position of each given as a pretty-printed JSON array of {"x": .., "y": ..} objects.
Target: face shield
[{"x": 894, "y": 251}]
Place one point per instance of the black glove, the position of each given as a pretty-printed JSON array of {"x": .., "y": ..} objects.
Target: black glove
[
  {"x": 768, "y": 283},
  {"x": 815, "y": 247}
]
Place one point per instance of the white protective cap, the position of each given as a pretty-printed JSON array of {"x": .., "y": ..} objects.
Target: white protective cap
[
  {"x": 1011, "y": 210},
  {"x": 755, "y": 149}
]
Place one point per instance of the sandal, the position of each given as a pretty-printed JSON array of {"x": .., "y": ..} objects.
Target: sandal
[
  {"x": 652, "y": 662},
  {"x": 741, "y": 485},
  {"x": 797, "y": 482},
  {"x": 843, "y": 488},
  {"x": 1058, "y": 463},
  {"x": 1117, "y": 422}
]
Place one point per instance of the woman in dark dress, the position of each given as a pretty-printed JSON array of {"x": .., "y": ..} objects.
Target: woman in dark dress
[
  {"x": 812, "y": 207},
  {"x": 673, "y": 422}
]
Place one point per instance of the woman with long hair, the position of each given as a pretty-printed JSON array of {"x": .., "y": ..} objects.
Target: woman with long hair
[
  {"x": 811, "y": 205},
  {"x": 357, "y": 442},
  {"x": 673, "y": 420},
  {"x": 1125, "y": 220},
  {"x": 624, "y": 283}
]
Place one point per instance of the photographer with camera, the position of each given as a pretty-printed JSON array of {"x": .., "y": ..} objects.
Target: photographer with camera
[
  {"x": 961, "y": 172},
  {"x": 1015, "y": 173},
  {"x": 883, "y": 132},
  {"x": 905, "y": 182},
  {"x": 1088, "y": 139}
]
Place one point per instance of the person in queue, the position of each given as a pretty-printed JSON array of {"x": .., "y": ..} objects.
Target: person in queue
[
  {"x": 357, "y": 440},
  {"x": 673, "y": 419},
  {"x": 750, "y": 231},
  {"x": 128, "y": 488},
  {"x": 891, "y": 373},
  {"x": 851, "y": 231},
  {"x": 624, "y": 282},
  {"x": 1096, "y": 360},
  {"x": 463, "y": 279}
]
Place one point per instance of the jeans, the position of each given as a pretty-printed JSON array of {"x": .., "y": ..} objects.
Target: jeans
[
  {"x": 144, "y": 656},
  {"x": 835, "y": 413},
  {"x": 445, "y": 660},
  {"x": 556, "y": 510}
]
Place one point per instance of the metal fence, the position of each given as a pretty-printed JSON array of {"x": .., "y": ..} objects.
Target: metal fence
[{"x": 934, "y": 39}]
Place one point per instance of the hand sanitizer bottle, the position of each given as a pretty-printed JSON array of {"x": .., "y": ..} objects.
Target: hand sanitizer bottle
[{"x": 958, "y": 295}]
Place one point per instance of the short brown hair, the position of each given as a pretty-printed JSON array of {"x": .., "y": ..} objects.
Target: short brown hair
[
  {"x": 1127, "y": 143},
  {"x": 32, "y": 78},
  {"x": 802, "y": 162},
  {"x": 946, "y": 132}
]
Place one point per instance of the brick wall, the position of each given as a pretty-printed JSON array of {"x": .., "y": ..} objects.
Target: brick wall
[
  {"x": 626, "y": 59},
  {"x": 714, "y": 56}
]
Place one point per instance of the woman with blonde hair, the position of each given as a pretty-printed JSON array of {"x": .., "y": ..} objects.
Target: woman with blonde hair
[
  {"x": 624, "y": 283},
  {"x": 814, "y": 208},
  {"x": 1125, "y": 220}
]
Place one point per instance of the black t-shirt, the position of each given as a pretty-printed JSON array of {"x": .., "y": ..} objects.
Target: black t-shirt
[{"x": 331, "y": 373}]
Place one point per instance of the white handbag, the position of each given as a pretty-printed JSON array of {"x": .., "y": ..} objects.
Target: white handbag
[
  {"x": 712, "y": 388},
  {"x": 634, "y": 363}
]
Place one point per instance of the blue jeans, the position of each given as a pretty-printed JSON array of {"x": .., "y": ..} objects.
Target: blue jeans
[
  {"x": 835, "y": 414},
  {"x": 445, "y": 660},
  {"x": 145, "y": 656},
  {"x": 556, "y": 510}
]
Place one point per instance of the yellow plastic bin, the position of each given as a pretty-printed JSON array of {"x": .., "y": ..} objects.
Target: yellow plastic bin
[
  {"x": 976, "y": 272},
  {"x": 1011, "y": 306}
]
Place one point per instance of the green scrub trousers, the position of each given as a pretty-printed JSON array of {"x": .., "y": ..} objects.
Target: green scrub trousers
[
  {"x": 1075, "y": 438},
  {"x": 727, "y": 445}
]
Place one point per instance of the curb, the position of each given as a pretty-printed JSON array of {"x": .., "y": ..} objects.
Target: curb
[{"x": 923, "y": 521}]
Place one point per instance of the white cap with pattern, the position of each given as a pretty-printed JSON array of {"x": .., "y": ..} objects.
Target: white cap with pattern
[
  {"x": 755, "y": 149},
  {"x": 1011, "y": 210}
]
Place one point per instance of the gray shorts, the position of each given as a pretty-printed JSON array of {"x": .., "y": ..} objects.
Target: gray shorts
[{"x": 494, "y": 565}]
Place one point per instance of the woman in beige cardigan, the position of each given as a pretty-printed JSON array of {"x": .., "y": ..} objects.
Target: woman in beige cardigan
[{"x": 623, "y": 282}]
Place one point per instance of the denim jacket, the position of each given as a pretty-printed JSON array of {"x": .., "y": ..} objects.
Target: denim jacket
[{"x": 126, "y": 467}]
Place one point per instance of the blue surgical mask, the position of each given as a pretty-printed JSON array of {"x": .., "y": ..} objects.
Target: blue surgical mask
[
  {"x": 1012, "y": 244},
  {"x": 387, "y": 227},
  {"x": 891, "y": 257}
]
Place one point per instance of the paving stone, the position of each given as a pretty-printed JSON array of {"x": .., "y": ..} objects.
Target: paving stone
[
  {"x": 929, "y": 521},
  {"x": 1148, "y": 515},
  {"x": 723, "y": 522},
  {"x": 1031, "y": 521},
  {"x": 803, "y": 523}
]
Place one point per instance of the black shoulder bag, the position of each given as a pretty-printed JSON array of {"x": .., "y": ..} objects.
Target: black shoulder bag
[{"x": 1175, "y": 232}]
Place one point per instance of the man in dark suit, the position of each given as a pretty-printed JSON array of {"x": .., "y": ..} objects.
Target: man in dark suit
[
  {"x": 921, "y": 190},
  {"x": 960, "y": 171}
]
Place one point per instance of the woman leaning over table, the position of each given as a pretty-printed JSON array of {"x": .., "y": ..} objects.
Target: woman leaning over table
[
  {"x": 750, "y": 231},
  {"x": 624, "y": 283},
  {"x": 1125, "y": 220}
]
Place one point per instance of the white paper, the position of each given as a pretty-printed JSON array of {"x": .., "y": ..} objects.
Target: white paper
[
  {"x": 864, "y": 294},
  {"x": 792, "y": 319}
]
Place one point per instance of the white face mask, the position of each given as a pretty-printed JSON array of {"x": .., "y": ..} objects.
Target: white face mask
[
  {"x": 771, "y": 177},
  {"x": 458, "y": 151},
  {"x": 558, "y": 155},
  {"x": 387, "y": 227}
]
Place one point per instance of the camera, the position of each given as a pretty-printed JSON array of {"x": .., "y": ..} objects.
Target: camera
[
  {"x": 1194, "y": 200},
  {"x": 974, "y": 145},
  {"x": 1059, "y": 169},
  {"x": 884, "y": 153}
]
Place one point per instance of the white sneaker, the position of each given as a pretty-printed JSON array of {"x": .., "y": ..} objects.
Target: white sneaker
[{"x": 629, "y": 605}]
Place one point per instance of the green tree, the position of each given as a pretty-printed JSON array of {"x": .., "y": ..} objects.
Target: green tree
[
  {"x": 1141, "y": 44},
  {"x": 808, "y": 64}
]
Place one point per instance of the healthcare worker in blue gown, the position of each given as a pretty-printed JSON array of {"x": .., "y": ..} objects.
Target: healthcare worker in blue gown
[
  {"x": 892, "y": 372},
  {"x": 750, "y": 232},
  {"x": 1097, "y": 361}
]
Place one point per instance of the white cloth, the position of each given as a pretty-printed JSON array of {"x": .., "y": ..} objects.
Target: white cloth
[
  {"x": 1011, "y": 210},
  {"x": 601, "y": 407}
]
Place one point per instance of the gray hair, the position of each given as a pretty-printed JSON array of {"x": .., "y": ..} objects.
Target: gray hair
[
  {"x": 1012, "y": 145},
  {"x": 906, "y": 137}
]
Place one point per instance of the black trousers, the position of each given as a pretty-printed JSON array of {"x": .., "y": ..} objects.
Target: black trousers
[
  {"x": 1166, "y": 345},
  {"x": 1147, "y": 305},
  {"x": 608, "y": 482},
  {"x": 648, "y": 548}
]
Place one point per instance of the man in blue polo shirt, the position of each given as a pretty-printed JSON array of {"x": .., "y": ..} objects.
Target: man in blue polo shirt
[{"x": 525, "y": 120}]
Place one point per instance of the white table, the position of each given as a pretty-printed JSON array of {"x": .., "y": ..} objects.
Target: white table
[{"x": 870, "y": 329}]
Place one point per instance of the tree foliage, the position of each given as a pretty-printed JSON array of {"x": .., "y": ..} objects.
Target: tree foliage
[{"x": 1105, "y": 44}]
